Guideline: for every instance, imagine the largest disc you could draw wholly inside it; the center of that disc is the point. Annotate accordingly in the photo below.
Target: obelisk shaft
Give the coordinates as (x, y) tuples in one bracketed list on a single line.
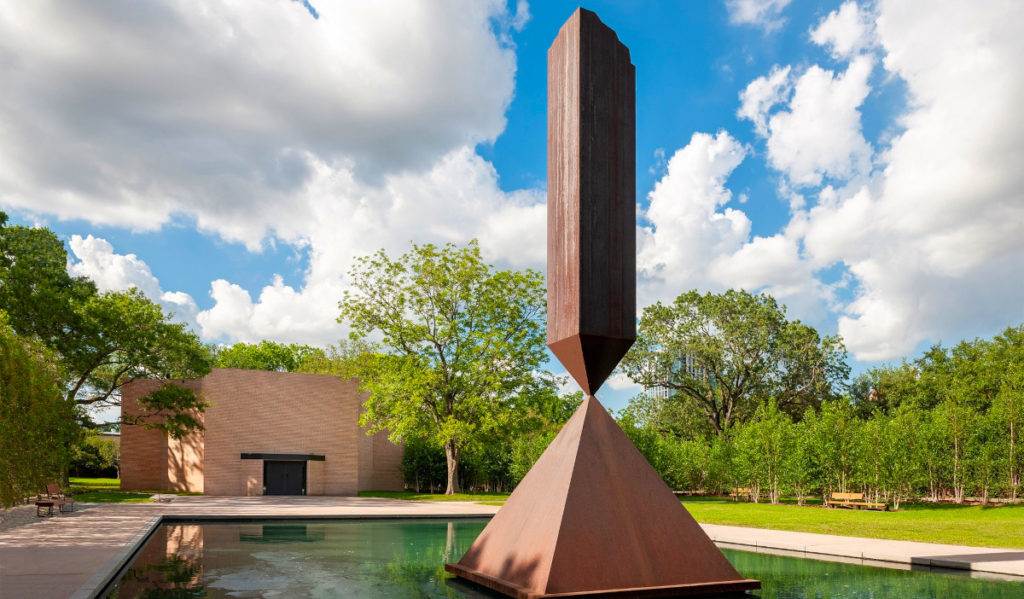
[(591, 199)]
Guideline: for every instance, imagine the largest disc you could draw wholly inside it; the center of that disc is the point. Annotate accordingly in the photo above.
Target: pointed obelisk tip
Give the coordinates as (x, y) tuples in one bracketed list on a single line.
[(590, 359)]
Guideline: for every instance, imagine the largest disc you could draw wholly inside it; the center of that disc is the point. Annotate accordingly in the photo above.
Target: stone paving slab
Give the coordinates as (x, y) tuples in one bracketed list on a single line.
[(72, 555), (960, 557)]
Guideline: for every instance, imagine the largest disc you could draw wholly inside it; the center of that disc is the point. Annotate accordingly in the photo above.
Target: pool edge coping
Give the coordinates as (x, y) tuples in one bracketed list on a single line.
[(102, 578), (938, 563)]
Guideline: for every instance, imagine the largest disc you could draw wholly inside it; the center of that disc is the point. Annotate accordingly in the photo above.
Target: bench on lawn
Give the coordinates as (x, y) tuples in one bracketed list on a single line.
[(740, 492), (54, 497), (854, 501)]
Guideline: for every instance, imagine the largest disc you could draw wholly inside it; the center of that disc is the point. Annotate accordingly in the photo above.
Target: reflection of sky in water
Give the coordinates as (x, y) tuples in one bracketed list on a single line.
[(398, 559)]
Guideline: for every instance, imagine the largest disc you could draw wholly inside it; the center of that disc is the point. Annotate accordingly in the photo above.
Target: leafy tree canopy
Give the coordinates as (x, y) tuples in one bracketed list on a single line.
[(36, 290), (462, 343), (348, 359), (99, 340), (975, 371), (727, 352), (266, 355)]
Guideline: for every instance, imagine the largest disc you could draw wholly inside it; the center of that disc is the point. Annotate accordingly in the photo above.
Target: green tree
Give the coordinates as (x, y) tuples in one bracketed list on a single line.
[(983, 461), (869, 465), (346, 359), (834, 433), (801, 464), (124, 336), (764, 443), (546, 416), (955, 422), (266, 355), (95, 455), (885, 388), (462, 340), (36, 291), (1008, 406), (100, 340), (899, 450), (727, 352), (37, 423)]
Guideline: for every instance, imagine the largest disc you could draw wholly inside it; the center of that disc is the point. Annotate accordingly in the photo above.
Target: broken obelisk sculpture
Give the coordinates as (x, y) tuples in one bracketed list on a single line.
[(592, 518)]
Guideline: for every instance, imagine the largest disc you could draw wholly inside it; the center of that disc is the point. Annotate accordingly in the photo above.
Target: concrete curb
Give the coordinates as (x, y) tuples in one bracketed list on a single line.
[(1005, 563)]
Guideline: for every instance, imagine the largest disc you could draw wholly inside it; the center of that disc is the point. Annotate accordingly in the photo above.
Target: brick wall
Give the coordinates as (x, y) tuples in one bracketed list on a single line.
[(149, 460), (254, 411), (387, 464), (144, 452)]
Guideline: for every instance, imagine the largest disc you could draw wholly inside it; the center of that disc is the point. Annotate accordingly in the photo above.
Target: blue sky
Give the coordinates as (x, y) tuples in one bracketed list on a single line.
[(860, 161)]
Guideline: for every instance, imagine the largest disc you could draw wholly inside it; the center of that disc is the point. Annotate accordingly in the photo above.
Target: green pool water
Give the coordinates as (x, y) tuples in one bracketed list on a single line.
[(403, 559)]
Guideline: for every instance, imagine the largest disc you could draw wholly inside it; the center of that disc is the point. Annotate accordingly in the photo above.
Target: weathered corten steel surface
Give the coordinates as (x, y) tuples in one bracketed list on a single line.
[(593, 518), (591, 199)]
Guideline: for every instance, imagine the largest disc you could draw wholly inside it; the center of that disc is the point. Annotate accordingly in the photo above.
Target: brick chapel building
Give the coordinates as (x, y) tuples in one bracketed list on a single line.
[(265, 433)]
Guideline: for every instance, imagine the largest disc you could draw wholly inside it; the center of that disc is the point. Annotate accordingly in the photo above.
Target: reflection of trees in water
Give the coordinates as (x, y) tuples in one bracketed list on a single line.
[(418, 570), (174, 577), (784, 577), (417, 579)]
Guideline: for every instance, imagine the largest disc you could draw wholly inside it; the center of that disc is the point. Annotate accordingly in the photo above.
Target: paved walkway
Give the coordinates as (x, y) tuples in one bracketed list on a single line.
[(69, 555)]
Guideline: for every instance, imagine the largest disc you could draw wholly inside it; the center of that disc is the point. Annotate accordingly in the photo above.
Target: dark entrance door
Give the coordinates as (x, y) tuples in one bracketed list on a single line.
[(284, 478)]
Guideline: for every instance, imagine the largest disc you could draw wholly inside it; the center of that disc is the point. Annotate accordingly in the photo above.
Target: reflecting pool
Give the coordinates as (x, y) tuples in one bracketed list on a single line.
[(402, 559)]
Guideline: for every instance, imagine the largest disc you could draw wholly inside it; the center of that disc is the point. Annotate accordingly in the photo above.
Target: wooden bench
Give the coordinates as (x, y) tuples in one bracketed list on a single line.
[(696, 493), (42, 505), (740, 492), (55, 497), (853, 501)]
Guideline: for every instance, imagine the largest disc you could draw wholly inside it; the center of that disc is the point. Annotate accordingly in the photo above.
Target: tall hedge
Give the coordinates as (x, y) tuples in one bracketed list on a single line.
[(37, 424)]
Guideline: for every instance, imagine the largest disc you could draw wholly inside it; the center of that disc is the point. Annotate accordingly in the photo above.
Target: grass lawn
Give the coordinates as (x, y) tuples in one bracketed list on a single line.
[(1001, 526), (108, 490), (487, 498), (979, 526)]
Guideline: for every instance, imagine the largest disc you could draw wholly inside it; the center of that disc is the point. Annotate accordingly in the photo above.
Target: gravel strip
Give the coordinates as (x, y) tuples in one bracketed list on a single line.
[(22, 515)]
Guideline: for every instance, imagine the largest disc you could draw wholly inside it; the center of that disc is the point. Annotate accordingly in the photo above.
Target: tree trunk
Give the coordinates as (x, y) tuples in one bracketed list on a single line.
[(451, 454), (1014, 477), (449, 541)]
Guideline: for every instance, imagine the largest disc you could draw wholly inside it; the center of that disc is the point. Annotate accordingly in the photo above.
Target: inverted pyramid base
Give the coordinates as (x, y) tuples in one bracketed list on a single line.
[(681, 590), (593, 519)]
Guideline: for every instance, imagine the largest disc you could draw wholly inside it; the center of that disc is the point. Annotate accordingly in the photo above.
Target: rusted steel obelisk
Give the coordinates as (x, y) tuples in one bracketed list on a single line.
[(592, 518)]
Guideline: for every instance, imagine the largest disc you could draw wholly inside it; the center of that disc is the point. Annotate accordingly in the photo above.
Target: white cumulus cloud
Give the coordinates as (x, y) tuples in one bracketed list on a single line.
[(936, 239), (766, 14), (128, 114), (761, 95), (689, 220), (456, 200), (95, 258), (846, 31), (820, 134)]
